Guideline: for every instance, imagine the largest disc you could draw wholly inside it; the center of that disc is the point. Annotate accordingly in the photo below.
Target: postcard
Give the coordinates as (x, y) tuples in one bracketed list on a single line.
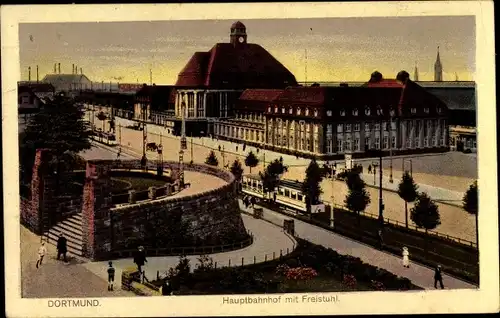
[(249, 159)]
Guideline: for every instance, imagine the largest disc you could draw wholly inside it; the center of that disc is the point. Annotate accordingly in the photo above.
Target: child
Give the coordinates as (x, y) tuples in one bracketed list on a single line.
[(111, 276), (41, 253)]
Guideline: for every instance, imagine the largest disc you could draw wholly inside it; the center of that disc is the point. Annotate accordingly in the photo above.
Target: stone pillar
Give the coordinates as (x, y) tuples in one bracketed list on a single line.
[(96, 226), (152, 193)]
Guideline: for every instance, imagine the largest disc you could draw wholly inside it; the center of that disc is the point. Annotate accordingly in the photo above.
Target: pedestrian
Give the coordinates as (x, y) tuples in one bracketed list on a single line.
[(166, 288), (140, 258), (406, 257), (244, 147), (62, 247), (370, 169), (253, 201), (438, 277), (41, 253), (236, 148), (219, 147), (118, 153), (380, 239), (257, 150), (111, 276)]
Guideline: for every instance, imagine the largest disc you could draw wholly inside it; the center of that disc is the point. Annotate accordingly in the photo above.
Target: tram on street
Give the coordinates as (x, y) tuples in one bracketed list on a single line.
[(288, 194)]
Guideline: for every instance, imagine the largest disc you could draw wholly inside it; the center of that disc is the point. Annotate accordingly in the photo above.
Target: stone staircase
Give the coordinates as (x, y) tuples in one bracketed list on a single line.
[(72, 230)]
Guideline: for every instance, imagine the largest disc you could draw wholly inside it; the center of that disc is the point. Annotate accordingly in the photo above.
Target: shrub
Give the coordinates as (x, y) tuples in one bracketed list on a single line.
[(205, 264), (301, 273), (377, 285), (349, 281)]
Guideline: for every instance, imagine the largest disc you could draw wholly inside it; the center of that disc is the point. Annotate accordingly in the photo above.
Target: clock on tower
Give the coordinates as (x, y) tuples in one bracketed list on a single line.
[(238, 34)]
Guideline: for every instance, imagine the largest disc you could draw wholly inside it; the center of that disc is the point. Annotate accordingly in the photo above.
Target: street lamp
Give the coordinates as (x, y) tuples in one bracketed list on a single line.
[(403, 160), (144, 135), (332, 175), (183, 142), (390, 145), (159, 169), (375, 165)]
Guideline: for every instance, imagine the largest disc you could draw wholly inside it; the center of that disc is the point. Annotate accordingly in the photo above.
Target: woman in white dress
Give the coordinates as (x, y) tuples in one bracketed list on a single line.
[(406, 257)]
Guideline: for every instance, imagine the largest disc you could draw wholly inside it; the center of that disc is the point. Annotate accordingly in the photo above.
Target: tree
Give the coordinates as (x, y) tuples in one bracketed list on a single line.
[(311, 185), (60, 127), (251, 161), (358, 198), (425, 213), (271, 176), (407, 190), (237, 170), (212, 159), (102, 117), (470, 204)]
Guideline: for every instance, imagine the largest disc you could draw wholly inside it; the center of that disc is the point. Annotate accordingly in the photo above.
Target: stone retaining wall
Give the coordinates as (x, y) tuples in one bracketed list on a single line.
[(207, 218)]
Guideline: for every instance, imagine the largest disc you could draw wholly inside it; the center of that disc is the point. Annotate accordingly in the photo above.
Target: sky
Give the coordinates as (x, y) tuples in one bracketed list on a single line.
[(338, 49)]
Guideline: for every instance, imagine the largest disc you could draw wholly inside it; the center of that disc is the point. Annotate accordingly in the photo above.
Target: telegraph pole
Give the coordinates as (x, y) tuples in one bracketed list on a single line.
[(390, 150), (380, 199), (192, 160), (333, 199)]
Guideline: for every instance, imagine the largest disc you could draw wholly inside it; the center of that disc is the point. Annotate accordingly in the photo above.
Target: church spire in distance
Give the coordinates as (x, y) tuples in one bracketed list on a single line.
[(438, 68), (415, 75)]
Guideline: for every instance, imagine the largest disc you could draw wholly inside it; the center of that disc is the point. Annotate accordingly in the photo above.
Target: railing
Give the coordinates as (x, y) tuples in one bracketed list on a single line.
[(189, 250)]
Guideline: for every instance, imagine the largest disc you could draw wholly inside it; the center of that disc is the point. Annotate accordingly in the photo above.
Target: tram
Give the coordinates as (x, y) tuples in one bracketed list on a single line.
[(288, 194)]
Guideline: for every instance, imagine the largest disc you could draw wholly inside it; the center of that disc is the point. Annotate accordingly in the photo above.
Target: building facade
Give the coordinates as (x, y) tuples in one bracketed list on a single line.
[(209, 86), (32, 97), (395, 116)]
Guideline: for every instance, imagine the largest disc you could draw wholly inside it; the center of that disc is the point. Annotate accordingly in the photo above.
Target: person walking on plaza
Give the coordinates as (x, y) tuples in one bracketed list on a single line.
[(253, 201), (166, 288), (140, 258), (62, 247), (41, 253), (370, 169), (219, 148), (236, 148), (111, 276), (406, 257), (438, 277), (380, 240)]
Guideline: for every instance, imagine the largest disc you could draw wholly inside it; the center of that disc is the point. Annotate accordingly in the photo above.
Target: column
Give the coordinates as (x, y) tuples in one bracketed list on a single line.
[(195, 104)]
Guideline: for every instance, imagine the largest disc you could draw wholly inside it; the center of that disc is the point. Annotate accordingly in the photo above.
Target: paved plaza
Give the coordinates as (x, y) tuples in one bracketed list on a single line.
[(419, 274), (449, 190)]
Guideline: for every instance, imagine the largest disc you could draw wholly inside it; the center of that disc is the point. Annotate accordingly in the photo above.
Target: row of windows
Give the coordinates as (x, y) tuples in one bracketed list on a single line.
[(342, 112), (250, 116), (238, 132)]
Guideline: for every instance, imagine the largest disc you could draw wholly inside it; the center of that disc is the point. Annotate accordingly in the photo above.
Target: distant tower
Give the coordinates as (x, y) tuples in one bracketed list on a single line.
[(438, 69), (238, 34), (415, 76)]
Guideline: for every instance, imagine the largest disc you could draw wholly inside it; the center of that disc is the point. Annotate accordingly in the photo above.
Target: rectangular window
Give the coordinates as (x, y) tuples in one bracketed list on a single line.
[(356, 127), (377, 127), (347, 146), (328, 145), (356, 144), (393, 142), (386, 142), (299, 197), (329, 129), (367, 142), (348, 127), (287, 193), (340, 128), (339, 146), (367, 127), (417, 142), (377, 142)]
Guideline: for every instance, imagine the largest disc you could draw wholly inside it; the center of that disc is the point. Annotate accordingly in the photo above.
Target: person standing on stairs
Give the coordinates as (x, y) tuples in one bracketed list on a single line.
[(41, 253), (62, 247)]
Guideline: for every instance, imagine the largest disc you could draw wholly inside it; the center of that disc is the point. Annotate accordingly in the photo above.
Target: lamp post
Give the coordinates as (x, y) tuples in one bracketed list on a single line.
[(390, 147), (159, 168), (403, 160), (144, 135), (375, 165), (380, 199), (183, 141), (332, 171)]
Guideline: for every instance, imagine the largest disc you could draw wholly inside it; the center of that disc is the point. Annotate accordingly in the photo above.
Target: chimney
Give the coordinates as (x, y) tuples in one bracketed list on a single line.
[(73, 68), (55, 68), (59, 67), (29, 73), (37, 73)]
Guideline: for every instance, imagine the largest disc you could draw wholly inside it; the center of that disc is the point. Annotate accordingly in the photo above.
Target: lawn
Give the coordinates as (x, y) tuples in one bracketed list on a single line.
[(121, 184)]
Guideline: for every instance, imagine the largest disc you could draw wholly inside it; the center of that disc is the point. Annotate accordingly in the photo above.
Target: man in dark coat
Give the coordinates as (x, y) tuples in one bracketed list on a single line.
[(166, 288), (140, 258), (438, 277), (62, 248)]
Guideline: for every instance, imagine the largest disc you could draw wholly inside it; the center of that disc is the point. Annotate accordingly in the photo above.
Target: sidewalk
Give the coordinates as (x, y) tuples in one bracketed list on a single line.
[(55, 279), (436, 193), (420, 275), (269, 241)]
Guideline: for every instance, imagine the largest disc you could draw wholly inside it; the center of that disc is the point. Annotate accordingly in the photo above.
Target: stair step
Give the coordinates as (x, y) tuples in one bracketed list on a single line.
[(77, 217), (73, 224), (67, 230)]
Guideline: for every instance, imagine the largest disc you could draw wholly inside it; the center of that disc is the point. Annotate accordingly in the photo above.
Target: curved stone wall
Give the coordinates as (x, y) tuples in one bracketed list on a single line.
[(208, 218)]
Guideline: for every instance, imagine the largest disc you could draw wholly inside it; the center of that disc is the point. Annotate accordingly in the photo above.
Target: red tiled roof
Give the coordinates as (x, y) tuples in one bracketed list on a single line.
[(235, 66), (308, 95), (264, 95)]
